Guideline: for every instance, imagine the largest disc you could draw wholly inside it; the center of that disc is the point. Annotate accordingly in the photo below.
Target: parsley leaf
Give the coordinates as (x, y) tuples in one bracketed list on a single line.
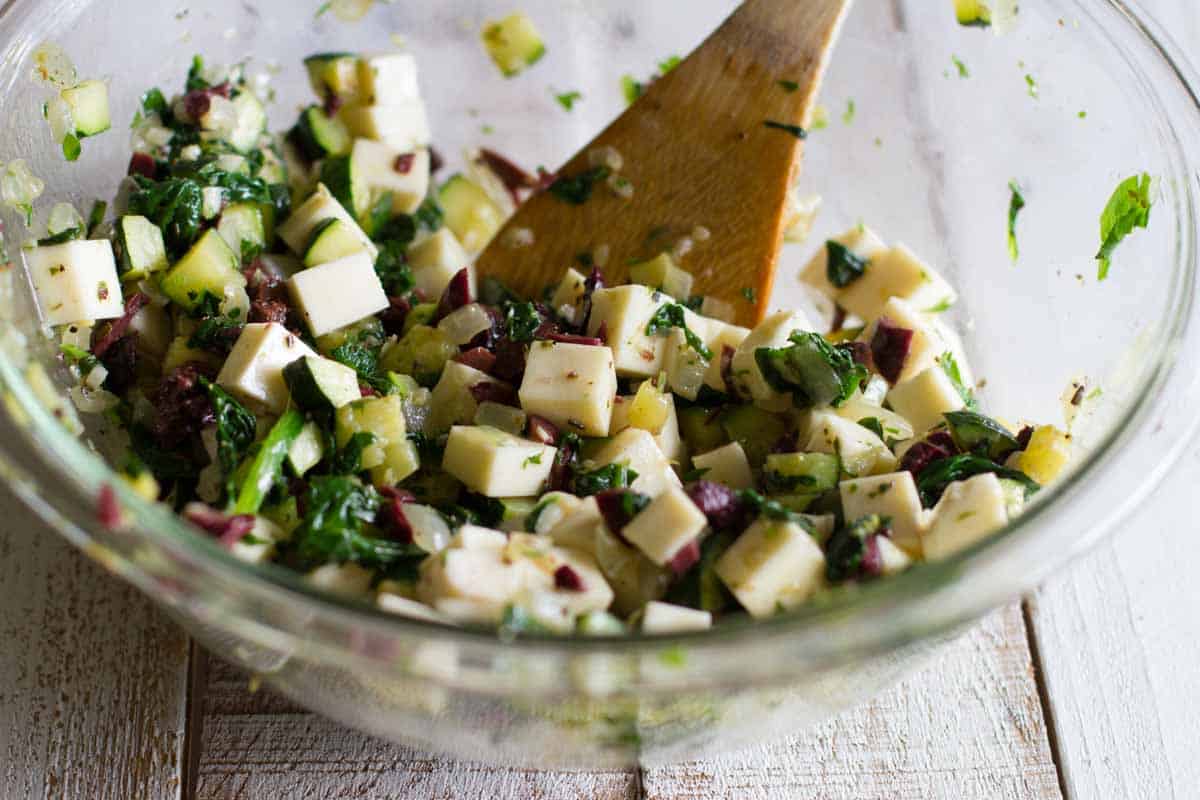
[(577, 189), (843, 267), (1015, 204), (568, 99), (79, 357), (348, 460), (794, 130), (950, 366), (815, 372), (392, 268), (671, 316), (521, 321), (1128, 208), (610, 476)]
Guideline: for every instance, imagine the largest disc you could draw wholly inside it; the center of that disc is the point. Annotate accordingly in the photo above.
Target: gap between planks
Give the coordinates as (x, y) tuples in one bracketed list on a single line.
[(969, 726)]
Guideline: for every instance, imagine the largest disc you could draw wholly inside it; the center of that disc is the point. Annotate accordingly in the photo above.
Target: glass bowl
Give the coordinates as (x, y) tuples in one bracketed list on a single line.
[(925, 157)]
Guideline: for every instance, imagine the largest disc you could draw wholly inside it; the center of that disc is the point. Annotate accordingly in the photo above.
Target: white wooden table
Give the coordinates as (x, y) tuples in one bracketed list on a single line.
[(1090, 688)]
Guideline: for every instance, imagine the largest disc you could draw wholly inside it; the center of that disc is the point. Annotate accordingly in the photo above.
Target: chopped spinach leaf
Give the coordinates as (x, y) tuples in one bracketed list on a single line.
[(71, 147), (1128, 208), (963, 72), (950, 366), (980, 435), (392, 268), (338, 511), (772, 509), (934, 479), (843, 266), (671, 316), (236, 427), (521, 321), (348, 460), (174, 205), (610, 476), (794, 130), (69, 235), (577, 189), (844, 552), (815, 372)]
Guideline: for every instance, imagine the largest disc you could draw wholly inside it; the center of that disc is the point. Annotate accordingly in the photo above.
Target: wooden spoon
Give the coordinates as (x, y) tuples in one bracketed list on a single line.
[(706, 150)]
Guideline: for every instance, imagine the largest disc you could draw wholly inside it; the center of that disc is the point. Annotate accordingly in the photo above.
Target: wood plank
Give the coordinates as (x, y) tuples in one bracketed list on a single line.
[(969, 726), (258, 745), (1119, 639), (92, 677)]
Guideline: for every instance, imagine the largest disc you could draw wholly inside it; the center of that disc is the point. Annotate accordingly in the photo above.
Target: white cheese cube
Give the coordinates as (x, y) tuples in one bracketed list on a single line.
[(624, 312), (404, 607), (497, 464), (859, 240), (297, 229), (668, 438), (660, 617), (568, 297), (664, 527), (892, 558), (75, 281), (861, 451), (435, 261), (772, 565), (476, 537), (967, 513), (895, 273), (265, 536), (727, 465), (577, 530), (721, 335), (337, 294), (254, 370), (469, 585), (452, 402), (572, 385), (388, 79), (924, 400), (377, 165), (636, 449), (347, 579), (772, 332), (859, 407), (893, 495), (403, 125), (927, 344)]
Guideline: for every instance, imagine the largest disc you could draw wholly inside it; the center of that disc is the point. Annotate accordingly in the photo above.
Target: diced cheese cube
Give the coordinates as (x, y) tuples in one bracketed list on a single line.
[(893, 495), (403, 125), (668, 438), (664, 527), (859, 240), (388, 79), (75, 281), (925, 399), (660, 617), (577, 530), (404, 607), (772, 565), (636, 449), (624, 312), (452, 402), (858, 407), (475, 537), (497, 464), (568, 297), (378, 166), (926, 345), (727, 465), (298, 228), (435, 261), (967, 513), (346, 579), (572, 385), (861, 451), (337, 294), (720, 336), (253, 372), (895, 273), (470, 585), (772, 332), (893, 560)]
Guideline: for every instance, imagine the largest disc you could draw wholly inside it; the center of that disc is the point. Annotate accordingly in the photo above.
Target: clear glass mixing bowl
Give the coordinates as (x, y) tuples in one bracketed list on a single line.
[(926, 159)]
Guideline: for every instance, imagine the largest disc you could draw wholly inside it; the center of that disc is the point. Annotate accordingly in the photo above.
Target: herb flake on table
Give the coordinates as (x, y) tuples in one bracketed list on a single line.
[(568, 99), (1016, 202), (1127, 209), (960, 65)]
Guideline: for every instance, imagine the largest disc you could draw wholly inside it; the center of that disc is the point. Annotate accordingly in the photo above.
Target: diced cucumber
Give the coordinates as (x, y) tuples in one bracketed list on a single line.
[(267, 463), (802, 473), (140, 248), (757, 431), (273, 169), (369, 328), (701, 587), (319, 135), (241, 226), (421, 314), (178, 353), (347, 185), (469, 213), (333, 73), (422, 353), (701, 429), (251, 122), (661, 273), (89, 107), (307, 450), (391, 457), (975, 433), (973, 12), (208, 268), (332, 240), (795, 502), (513, 43), (319, 384)]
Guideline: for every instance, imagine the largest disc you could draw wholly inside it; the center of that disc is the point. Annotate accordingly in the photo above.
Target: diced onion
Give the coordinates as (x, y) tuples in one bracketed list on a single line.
[(800, 215), (687, 368), (416, 410), (607, 156), (19, 187), (213, 201), (96, 377), (464, 324), (221, 117), (350, 10), (63, 217), (58, 115), (875, 391), (430, 531), (53, 67)]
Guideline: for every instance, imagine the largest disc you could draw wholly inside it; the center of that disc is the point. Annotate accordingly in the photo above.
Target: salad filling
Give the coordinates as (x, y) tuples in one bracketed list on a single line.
[(289, 331)]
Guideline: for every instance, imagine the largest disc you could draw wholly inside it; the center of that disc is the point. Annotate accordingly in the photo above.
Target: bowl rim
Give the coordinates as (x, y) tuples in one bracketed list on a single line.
[(56, 453)]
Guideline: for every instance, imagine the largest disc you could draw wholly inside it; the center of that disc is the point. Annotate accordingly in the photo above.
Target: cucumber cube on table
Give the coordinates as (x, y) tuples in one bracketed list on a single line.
[(497, 464), (254, 370), (338, 293), (572, 385), (772, 565), (894, 496), (75, 281), (513, 43), (437, 259)]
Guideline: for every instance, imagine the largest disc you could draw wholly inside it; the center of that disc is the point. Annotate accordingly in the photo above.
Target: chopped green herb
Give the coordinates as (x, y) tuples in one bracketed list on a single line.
[(71, 147), (568, 99), (532, 460), (794, 130), (1128, 208), (934, 479), (235, 427), (846, 547), (521, 321), (820, 118), (963, 72), (338, 511), (671, 316), (789, 86), (79, 357), (1016, 202), (815, 372), (695, 474), (945, 304), (1031, 85), (669, 63), (348, 460), (749, 294), (610, 476), (974, 433), (773, 509), (950, 366), (848, 114), (631, 89), (873, 425), (843, 266), (577, 189)]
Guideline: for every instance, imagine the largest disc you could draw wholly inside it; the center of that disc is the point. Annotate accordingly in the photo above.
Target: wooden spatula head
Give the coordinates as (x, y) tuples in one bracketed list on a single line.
[(712, 148)]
